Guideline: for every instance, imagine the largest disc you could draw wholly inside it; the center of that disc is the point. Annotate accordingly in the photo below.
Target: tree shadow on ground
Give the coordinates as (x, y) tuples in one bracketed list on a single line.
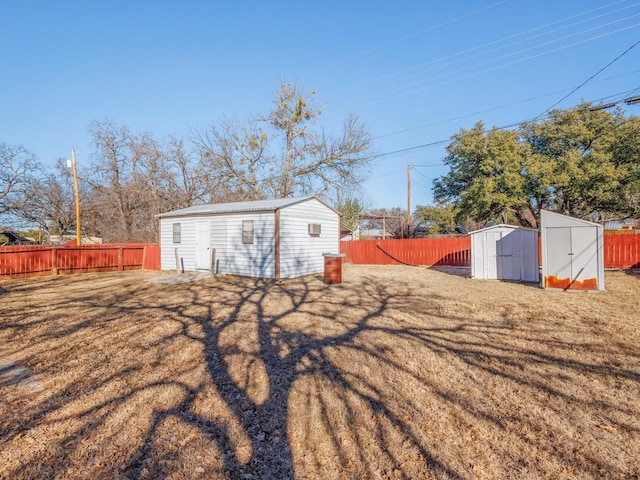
[(245, 378)]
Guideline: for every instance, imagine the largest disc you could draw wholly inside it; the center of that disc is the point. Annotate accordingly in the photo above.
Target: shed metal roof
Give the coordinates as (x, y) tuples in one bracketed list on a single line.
[(503, 225), (238, 207), (551, 219)]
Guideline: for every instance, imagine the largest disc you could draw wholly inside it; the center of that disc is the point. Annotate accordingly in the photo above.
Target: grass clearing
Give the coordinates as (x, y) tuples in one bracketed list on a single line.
[(399, 372)]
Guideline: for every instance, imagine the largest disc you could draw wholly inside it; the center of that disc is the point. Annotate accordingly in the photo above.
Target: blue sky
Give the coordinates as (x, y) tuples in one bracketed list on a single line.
[(414, 71)]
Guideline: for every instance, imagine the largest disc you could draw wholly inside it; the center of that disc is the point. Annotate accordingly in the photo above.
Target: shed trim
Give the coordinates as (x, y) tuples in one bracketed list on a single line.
[(257, 206), (503, 225)]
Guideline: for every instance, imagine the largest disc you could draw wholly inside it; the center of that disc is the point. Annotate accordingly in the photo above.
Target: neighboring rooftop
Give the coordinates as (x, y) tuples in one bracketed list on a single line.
[(14, 238)]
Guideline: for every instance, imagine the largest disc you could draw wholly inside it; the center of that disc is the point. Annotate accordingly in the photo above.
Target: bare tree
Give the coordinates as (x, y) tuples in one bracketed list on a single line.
[(120, 184), (49, 202), (18, 168), (134, 177), (236, 155), (191, 179), (283, 154)]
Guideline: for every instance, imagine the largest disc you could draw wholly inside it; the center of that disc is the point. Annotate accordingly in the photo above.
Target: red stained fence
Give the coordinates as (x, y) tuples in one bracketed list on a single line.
[(418, 251), (53, 260), (620, 251)]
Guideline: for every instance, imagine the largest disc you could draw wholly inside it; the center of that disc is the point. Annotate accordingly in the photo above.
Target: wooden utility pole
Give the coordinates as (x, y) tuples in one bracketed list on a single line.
[(75, 187), (408, 200)]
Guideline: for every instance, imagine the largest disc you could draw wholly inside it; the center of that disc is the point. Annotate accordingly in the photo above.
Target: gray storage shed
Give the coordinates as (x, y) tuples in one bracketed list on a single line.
[(572, 252), (281, 238), (505, 252)]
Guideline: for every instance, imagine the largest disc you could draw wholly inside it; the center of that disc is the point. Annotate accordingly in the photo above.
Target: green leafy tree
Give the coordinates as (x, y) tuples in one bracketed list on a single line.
[(485, 178), (576, 161), (571, 166), (436, 218), (625, 150), (351, 209)]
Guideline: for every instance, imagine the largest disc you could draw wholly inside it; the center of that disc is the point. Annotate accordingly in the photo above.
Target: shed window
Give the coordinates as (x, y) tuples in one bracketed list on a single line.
[(177, 235), (247, 231), (315, 229)]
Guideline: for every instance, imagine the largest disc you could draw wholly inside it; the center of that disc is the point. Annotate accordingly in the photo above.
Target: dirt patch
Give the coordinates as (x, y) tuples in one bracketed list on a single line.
[(399, 372)]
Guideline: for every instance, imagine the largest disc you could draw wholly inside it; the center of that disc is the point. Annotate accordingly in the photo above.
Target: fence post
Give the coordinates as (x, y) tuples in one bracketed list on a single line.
[(213, 262), (120, 259), (54, 261)]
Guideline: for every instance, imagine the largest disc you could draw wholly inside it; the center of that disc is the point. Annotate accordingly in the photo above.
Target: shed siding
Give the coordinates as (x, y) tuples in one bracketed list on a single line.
[(301, 253), (530, 261), (505, 252), (186, 247), (251, 260), (219, 243)]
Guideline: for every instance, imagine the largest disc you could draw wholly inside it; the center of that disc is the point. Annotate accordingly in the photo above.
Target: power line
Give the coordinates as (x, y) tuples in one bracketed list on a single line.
[(474, 74), (429, 29), (590, 78), (501, 47), (425, 165), (523, 50), (438, 142), (479, 47), (461, 117), (422, 174), (376, 157)]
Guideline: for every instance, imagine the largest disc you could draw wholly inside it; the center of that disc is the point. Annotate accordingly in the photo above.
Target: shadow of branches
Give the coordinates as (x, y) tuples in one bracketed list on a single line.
[(396, 373)]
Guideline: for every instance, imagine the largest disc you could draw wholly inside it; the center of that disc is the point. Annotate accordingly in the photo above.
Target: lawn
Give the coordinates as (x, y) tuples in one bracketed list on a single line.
[(399, 372)]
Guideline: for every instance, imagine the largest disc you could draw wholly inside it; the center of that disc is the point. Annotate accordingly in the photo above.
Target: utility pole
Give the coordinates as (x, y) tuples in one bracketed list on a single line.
[(75, 187), (408, 200)]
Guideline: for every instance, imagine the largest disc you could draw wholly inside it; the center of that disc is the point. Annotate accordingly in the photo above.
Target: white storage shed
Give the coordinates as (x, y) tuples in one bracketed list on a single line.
[(572, 252), (505, 252), (282, 238)]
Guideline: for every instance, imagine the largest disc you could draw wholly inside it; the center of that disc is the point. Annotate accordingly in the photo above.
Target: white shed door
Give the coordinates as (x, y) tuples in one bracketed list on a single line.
[(203, 245), (558, 257), (491, 270), (572, 258), (584, 260), (502, 250), (508, 252)]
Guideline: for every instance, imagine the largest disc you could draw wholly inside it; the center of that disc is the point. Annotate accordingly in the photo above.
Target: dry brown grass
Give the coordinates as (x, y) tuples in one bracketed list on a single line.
[(399, 372)]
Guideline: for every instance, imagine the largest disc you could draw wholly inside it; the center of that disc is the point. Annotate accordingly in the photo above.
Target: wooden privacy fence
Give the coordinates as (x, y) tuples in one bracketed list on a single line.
[(620, 251), (53, 260), (418, 251)]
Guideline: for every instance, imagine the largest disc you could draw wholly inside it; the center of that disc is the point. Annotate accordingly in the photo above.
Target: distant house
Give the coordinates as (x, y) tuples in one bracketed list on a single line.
[(622, 226), (348, 234), (71, 239), (13, 238), (277, 239), (376, 234)]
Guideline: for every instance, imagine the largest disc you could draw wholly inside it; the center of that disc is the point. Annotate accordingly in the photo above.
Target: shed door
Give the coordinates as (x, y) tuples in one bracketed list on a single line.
[(572, 261), (491, 240), (584, 260), (508, 253), (203, 245)]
